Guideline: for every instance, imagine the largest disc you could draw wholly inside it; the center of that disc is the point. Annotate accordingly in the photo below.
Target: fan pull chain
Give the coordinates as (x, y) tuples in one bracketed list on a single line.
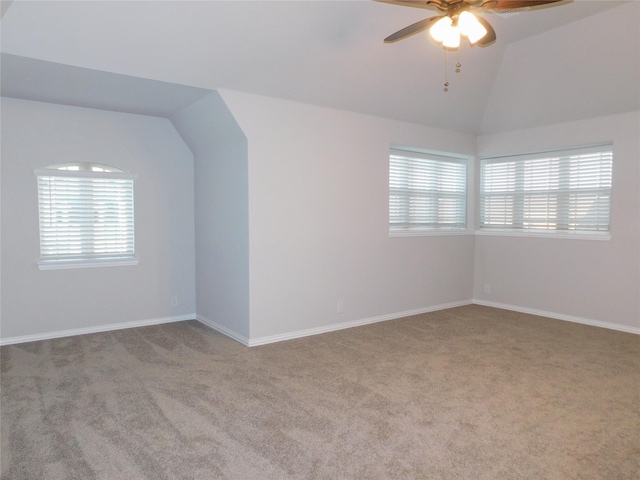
[(446, 70), (446, 67)]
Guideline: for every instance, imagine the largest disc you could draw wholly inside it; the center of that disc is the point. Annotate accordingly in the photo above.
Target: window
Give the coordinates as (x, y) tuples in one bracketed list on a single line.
[(86, 215), (566, 191), (427, 192)]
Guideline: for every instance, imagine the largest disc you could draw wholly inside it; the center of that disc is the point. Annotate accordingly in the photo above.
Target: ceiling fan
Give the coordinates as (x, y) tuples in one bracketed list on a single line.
[(458, 19)]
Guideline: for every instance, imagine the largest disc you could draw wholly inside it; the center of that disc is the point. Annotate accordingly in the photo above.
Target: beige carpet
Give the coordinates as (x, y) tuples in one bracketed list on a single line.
[(467, 393)]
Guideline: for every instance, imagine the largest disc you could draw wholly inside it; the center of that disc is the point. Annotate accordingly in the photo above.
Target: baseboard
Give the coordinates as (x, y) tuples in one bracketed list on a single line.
[(224, 330), (560, 316), (355, 323), (311, 331), (101, 328)]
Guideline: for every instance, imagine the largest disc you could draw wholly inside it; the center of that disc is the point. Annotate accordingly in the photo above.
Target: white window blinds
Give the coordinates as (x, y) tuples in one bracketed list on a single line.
[(85, 215), (426, 192), (567, 190)]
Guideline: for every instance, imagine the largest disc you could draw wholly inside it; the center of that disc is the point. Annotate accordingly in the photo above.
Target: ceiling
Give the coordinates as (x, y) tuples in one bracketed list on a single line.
[(155, 57), (51, 82)]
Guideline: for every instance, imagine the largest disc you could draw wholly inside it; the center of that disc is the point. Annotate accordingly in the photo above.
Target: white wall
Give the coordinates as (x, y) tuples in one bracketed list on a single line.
[(290, 210), (221, 214), (34, 302), (586, 280), (318, 220)]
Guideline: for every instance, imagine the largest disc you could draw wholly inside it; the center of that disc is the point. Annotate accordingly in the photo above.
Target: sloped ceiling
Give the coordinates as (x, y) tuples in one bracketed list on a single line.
[(589, 68), (51, 82), (327, 53)]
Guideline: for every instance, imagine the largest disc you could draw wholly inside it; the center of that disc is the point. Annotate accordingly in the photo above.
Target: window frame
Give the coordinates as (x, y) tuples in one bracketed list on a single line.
[(96, 174), (560, 194), (442, 229)]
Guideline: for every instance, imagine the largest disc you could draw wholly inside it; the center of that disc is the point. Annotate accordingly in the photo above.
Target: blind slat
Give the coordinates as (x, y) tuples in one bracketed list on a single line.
[(85, 216), (564, 190), (426, 192)]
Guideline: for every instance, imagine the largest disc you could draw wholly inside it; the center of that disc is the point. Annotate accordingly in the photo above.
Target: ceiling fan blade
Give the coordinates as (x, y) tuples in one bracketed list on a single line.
[(515, 4), (490, 37), (411, 29), (431, 4)]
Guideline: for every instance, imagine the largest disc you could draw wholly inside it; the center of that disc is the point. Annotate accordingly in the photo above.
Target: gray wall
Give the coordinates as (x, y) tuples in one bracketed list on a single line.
[(585, 280), (289, 218), (318, 218), (221, 214), (35, 302)]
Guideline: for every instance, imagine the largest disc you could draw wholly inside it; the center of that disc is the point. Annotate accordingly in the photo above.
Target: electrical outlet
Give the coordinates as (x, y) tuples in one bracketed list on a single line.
[(340, 307), (487, 288), (174, 301)]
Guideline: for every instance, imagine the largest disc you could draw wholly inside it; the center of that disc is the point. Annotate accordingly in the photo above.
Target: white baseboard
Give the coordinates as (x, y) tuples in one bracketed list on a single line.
[(560, 316), (354, 323), (311, 331), (253, 342), (224, 330), (101, 328)]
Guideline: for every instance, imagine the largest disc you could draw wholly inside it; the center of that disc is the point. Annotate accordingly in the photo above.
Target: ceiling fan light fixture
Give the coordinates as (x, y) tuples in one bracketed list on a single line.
[(470, 27), (446, 32), (455, 20), (439, 29), (451, 38)]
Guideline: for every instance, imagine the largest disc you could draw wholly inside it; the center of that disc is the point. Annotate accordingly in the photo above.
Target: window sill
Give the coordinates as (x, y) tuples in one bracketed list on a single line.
[(430, 233), (67, 264), (544, 234)]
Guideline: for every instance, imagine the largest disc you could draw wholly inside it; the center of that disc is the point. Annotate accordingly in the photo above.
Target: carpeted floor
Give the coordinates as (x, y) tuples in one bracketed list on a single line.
[(467, 393)]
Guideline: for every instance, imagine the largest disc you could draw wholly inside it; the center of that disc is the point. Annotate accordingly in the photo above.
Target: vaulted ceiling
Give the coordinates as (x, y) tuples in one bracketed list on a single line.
[(577, 59)]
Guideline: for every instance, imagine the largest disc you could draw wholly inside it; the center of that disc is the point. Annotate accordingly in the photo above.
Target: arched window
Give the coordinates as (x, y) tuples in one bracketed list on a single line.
[(86, 215), (85, 167)]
